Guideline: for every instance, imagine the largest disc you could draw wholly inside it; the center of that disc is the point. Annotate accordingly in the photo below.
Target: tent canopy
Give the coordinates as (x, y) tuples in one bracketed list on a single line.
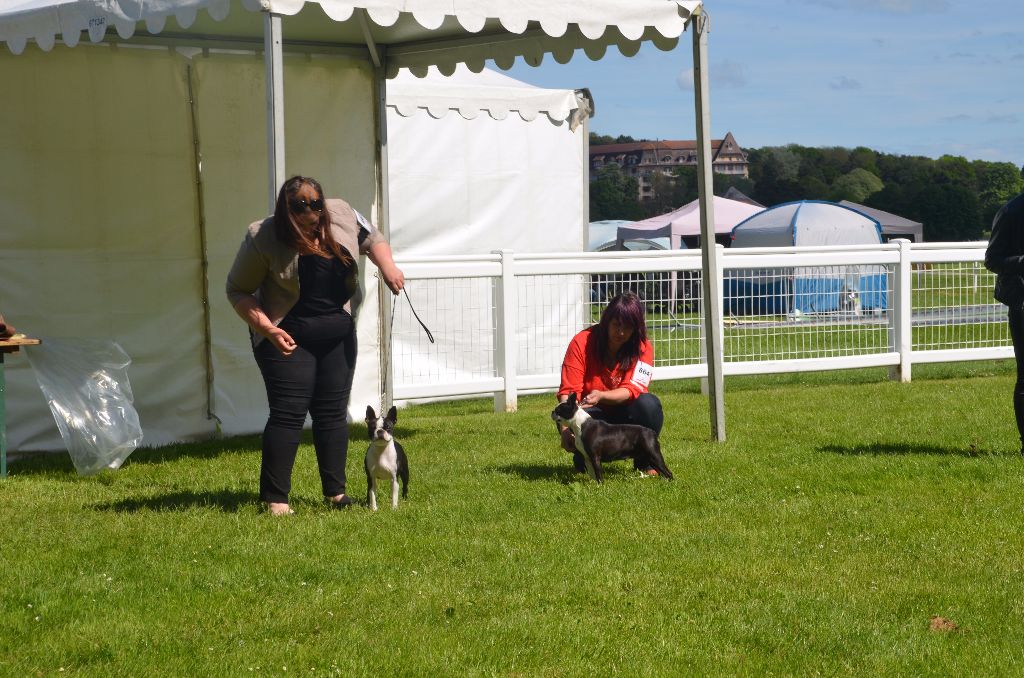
[(806, 222), (893, 225), (685, 221), (411, 35)]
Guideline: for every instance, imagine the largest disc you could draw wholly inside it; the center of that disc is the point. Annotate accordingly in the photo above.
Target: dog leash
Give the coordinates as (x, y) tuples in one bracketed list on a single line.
[(416, 315)]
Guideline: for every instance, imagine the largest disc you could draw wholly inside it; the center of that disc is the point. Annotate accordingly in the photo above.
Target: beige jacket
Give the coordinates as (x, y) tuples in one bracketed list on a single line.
[(267, 269)]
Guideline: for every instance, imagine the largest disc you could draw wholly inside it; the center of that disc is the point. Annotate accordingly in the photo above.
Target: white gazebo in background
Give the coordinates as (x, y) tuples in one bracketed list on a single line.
[(135, 165)]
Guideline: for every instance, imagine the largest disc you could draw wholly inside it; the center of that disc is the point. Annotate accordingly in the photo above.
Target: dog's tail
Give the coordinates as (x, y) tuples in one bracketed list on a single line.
[(658, 461)]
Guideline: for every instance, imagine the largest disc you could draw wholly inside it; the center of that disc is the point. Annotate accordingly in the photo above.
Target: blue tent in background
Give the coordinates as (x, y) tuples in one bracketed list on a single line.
[(809, 289)]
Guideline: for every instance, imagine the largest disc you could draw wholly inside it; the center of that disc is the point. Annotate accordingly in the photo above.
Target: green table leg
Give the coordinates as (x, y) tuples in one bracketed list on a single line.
[(3, 420)]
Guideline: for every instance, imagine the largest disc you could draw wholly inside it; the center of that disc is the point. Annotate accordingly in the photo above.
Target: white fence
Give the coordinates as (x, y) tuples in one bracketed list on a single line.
[(502, 321)]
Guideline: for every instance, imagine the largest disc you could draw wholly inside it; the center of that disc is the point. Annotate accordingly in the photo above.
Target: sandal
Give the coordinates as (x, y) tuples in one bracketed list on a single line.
[(343, 503)]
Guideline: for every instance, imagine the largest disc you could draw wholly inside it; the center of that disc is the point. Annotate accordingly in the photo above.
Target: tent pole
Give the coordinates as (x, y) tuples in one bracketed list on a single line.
[(274, 72), (386, 375), (712, 305), (204, 249)]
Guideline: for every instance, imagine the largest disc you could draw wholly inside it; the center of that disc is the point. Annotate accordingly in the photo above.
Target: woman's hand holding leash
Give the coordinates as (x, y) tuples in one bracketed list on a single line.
[(592, 399), (393, 278)]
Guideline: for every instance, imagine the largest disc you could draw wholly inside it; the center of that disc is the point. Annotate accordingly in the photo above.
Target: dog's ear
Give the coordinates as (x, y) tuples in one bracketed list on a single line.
[(572, 398), (370, 414), (393, 414)]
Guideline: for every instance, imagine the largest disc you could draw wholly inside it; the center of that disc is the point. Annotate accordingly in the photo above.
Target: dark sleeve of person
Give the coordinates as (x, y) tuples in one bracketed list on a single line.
[(1004, 253), (363, 235)]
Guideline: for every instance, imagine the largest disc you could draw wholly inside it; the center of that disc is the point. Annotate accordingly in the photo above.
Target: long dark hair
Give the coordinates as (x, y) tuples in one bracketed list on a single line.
[(629, 310), (291, 233)]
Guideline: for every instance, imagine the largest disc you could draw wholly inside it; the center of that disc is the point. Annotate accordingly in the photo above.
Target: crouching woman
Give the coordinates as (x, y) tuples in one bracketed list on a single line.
[(610, 365)]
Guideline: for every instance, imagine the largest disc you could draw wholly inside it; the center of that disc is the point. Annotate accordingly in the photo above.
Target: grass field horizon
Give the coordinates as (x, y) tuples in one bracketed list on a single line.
[(842, 514)]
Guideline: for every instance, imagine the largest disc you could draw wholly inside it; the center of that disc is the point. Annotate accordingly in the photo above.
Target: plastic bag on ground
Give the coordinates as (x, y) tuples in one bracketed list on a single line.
[(85, 382)]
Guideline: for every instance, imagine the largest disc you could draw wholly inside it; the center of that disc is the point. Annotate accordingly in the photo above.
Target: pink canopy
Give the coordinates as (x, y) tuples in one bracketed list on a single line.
[(685, 221)]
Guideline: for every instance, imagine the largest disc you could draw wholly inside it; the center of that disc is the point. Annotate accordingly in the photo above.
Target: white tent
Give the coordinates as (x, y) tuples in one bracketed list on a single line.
[(479, 162), (132, 166)]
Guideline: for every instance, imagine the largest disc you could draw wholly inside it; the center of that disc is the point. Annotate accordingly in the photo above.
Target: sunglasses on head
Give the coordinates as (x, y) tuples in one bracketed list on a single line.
[(300, 206)]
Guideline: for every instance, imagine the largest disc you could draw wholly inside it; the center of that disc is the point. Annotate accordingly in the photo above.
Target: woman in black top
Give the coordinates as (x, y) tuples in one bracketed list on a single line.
[(1005, 258), (291, 282)]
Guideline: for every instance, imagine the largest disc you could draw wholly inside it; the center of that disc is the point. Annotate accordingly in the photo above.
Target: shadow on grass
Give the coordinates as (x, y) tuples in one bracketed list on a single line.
[(562, 473), (882, 449), (228, 501), (57, 463)]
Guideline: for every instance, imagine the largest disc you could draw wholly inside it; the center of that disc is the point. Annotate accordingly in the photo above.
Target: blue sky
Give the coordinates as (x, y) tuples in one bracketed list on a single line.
[(916, 77)]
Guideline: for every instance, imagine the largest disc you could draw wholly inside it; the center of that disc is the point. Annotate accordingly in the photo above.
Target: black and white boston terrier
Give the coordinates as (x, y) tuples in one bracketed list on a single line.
[(599, 441), (385, 458)]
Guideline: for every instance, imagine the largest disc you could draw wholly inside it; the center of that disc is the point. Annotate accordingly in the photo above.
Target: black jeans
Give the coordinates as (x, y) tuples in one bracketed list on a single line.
[(1017, 334), (645, 410), (316, 378)]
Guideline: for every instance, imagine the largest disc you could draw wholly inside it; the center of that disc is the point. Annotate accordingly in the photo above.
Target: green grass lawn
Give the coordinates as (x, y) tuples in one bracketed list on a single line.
[(843, 513)]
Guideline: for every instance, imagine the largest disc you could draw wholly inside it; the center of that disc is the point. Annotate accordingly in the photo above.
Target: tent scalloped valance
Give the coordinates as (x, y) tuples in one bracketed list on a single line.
[(489, 92), (660, 21)]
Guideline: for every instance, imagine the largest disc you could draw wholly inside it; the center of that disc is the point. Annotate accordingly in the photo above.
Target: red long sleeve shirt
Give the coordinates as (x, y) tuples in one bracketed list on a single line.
[(583, 371)]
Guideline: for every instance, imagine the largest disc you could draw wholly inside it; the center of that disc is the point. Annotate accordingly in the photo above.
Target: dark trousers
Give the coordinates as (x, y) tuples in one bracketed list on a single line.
[(1017, 334), (645, 410), (316, 378)]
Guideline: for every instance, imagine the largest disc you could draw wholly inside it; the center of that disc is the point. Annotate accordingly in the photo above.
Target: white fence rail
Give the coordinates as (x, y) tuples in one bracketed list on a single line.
[(502, 321)]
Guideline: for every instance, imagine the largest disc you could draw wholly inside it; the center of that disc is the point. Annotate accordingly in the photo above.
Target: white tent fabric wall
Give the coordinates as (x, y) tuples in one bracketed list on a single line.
[(477, 163), (101, 235)]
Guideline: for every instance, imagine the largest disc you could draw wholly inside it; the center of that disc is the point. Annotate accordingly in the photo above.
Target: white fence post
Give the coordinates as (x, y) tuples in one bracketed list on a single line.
[(506, 349), (903, 310)]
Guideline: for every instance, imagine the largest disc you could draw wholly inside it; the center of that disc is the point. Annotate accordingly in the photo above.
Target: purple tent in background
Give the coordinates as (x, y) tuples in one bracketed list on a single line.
[(683, 224)]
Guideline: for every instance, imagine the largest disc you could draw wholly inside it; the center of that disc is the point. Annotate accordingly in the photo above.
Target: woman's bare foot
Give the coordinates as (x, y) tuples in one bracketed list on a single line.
[(279, 509)]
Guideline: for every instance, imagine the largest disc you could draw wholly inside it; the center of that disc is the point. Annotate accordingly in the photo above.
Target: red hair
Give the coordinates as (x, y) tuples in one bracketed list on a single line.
[(628, 310)]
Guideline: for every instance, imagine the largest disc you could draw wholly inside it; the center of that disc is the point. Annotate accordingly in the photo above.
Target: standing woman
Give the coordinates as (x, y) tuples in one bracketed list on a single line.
[(609, 366), (1005, 258), (292, 282)]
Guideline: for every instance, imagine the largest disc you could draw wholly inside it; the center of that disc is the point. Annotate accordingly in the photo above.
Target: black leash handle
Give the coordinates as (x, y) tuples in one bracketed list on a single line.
[(416, 315)]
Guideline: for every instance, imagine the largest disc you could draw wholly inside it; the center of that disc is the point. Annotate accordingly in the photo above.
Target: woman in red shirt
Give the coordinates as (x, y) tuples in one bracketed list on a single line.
[(609, 366)]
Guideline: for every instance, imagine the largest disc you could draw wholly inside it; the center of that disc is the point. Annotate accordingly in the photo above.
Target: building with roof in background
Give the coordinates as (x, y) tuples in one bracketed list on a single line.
[(643, 159)]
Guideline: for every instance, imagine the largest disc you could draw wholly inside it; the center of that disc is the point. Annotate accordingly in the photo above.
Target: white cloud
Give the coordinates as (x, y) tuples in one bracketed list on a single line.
[(892, 6), (1006, 119), (844, 83), (729, 74)]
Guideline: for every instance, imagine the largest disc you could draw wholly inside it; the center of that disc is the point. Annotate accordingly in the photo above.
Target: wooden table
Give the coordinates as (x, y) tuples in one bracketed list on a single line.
[(11, 345)]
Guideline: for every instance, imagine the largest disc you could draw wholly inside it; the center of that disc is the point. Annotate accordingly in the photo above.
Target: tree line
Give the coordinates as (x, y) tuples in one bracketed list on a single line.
[(953, 197)]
